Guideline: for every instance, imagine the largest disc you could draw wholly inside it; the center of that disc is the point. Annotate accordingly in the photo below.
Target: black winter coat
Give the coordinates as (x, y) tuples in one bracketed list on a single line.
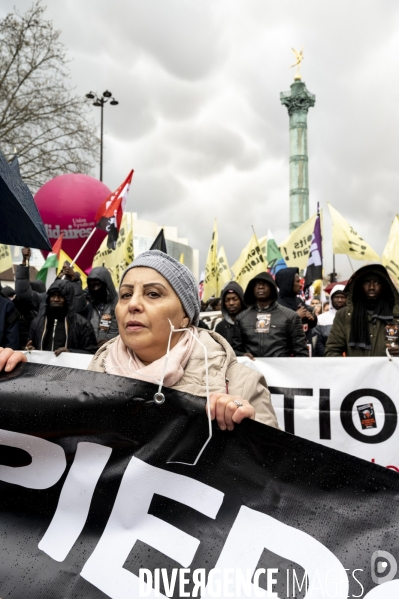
[(102, 316), (226, 326), (285, 337), (286, 297), (79, 335)]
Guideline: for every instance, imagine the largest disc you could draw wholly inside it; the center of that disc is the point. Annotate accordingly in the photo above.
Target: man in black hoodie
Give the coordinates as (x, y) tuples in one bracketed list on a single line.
[(57, 327), (101, 301), (232, 304), (267, 329), (289, 285)]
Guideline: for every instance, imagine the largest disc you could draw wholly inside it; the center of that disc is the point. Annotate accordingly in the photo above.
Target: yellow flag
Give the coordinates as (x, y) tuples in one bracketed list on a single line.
[(263, 247), (250, 263), (62, 257), (181, 259), (5, 257), (347, 241), (390, 255), (210, 280), (118, 259), (295, 249), (223, 271)]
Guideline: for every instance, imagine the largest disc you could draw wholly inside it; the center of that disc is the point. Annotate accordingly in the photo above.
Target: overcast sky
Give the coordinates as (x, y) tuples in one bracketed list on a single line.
[(200, 119)]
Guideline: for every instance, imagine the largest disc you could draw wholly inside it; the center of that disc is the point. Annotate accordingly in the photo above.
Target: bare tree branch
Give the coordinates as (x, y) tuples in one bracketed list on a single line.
[(39, 113)]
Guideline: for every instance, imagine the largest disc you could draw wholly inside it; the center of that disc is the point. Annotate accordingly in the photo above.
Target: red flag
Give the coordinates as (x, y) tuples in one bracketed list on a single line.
[(57, 245), (110, 213)]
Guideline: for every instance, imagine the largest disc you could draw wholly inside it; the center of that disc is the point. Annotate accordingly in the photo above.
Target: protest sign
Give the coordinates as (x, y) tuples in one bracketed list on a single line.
[(98, 498)]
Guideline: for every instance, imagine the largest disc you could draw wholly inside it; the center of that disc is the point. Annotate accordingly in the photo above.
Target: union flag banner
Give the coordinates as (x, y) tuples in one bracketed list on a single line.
[(110, 213)]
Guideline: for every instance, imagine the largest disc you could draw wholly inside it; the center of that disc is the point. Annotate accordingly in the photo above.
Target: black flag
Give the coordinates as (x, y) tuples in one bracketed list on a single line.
[(159, 242)]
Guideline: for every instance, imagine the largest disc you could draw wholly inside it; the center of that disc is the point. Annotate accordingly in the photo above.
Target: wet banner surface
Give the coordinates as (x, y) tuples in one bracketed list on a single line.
[(97, 500)]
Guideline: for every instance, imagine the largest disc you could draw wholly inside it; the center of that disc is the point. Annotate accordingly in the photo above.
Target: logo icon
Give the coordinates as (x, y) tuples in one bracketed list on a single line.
[(383, 567)]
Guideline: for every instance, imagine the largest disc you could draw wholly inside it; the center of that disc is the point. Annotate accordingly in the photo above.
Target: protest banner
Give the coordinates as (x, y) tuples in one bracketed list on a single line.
[(318, 398), (390, 255), (295, 249), (5, 257), (211, 267), (223, 273), (98, 498), (348, 241), (250, 263)]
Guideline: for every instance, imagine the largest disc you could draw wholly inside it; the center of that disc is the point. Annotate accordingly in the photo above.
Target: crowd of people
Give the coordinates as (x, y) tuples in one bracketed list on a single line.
[(269, 318), (65, 318)]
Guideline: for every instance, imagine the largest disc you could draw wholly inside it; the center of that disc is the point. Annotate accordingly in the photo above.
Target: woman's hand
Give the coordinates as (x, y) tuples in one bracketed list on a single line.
[(227, 410), (9, 358)]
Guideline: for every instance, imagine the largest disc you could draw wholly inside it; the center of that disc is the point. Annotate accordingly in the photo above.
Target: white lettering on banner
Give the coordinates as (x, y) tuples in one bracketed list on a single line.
[(74, 503), (253, 531), (130, 522), (47, 466), (318, 399)]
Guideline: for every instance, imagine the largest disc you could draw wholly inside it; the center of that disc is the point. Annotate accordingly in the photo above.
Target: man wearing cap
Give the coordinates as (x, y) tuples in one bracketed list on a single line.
[(267, 329), (369, 324), (325, 320), (232, 304)]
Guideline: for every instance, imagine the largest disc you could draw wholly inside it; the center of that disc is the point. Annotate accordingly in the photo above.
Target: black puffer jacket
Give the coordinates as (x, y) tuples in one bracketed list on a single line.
[(225, 327), (286, 297), (73, 332), (102, 315), (283, 334)]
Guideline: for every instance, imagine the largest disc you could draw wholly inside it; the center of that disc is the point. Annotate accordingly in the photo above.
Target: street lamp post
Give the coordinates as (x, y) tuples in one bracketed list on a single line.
[(101, 101)]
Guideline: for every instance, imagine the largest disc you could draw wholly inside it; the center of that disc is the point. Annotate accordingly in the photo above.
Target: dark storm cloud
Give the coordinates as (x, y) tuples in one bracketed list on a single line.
[(200, 118)]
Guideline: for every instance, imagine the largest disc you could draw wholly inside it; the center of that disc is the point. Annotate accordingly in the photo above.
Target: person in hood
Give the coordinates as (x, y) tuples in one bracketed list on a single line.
[(29, 291), (325, 320), (267, 329), (101, 301), (232, 304), (369, 324), (57, 327), (289, 285)]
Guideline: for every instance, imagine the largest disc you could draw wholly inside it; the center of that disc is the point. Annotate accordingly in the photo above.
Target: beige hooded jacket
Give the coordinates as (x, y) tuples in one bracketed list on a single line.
[(223, 368)]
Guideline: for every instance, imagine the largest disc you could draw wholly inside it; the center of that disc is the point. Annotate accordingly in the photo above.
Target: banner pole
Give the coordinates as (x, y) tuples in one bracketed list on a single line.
[(83, 246), (350, 262), (334, 275)]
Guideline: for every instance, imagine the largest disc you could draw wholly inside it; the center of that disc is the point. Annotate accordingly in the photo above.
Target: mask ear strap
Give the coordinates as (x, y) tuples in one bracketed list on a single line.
[(208, 407)]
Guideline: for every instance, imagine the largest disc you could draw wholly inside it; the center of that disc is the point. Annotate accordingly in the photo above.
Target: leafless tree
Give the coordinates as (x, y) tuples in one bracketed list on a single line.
[(40, 114)]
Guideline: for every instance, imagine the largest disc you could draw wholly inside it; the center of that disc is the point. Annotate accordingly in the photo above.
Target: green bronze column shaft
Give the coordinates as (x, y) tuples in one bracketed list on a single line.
[(298, 102)]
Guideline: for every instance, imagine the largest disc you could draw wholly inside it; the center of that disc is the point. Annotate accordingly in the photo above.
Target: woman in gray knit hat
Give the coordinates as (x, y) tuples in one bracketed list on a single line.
[(158, 294)]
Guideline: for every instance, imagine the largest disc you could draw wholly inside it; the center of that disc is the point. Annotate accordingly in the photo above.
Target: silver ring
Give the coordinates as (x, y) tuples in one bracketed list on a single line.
[(237, 402)]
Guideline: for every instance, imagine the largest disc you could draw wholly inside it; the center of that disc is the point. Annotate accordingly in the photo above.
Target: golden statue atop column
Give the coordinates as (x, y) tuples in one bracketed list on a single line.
[(299, 58)]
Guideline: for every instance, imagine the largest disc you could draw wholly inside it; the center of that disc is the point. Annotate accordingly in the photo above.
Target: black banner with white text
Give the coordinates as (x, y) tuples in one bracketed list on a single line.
[(97, 499)]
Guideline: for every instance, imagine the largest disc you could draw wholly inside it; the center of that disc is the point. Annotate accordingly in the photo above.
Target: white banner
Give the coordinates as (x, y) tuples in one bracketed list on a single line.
[(349, 404), (68, 359)]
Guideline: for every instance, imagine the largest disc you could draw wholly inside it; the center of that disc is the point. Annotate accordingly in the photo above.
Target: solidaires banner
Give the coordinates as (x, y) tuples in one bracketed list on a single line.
[(99, 498), (350, 404)]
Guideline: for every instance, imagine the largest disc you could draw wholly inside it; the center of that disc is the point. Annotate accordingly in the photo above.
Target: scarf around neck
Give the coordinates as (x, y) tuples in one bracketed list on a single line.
[(122, 361)]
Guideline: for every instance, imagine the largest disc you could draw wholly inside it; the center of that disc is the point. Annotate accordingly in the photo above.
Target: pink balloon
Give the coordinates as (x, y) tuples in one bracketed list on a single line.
[(68, 204)]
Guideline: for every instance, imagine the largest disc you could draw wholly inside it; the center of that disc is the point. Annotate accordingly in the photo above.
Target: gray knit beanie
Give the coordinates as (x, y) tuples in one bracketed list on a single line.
[(178, 276)]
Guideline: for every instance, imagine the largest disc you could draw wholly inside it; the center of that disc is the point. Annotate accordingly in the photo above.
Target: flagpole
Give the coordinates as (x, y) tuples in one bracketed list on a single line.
[(334, 275), (350, 262), (83, 246)]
